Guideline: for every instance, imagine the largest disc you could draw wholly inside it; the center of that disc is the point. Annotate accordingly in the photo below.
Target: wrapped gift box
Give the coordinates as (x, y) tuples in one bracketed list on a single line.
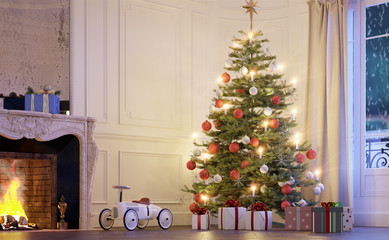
[(42, 103), (347, 219), (298, 218), (258, 220), (13, 103), (327, 219), (231, 218), (200, 222)]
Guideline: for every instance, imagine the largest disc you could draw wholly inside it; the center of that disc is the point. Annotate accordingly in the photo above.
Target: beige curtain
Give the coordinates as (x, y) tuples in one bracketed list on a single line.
[(326, 99)]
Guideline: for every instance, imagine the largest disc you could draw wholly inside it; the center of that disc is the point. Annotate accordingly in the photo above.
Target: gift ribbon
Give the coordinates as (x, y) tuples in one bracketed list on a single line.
[(32, 103), (298, 219), (327, 205), (45, 103), (221, 216), (236, 218), (199, 222)]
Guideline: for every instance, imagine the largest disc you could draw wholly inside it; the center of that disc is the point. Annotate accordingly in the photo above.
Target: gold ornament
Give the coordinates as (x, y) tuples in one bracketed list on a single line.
[(251, 7)]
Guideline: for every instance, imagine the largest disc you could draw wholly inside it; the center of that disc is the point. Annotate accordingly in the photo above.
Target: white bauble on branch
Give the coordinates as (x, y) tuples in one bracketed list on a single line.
[(212, 108), (263, 188), (267, 111), (253, 91), (219, 92), (291, 181), (228, 64), (217, 178), (196, 152), (316, 191), (264, 168), (321, 186), (245, 140), (243, 70), (309, 175), (281, 184)]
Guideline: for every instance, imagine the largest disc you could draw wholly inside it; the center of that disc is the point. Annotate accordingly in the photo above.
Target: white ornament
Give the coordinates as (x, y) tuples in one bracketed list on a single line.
[(196, 152), (301, 203), (281, 184), (264, 49), (291, 181), (272, 67), (309, 175), (228, 63), (267, 111), (212, 108), (316, 191), (264, 168), (253, 91), (217, 178), (219, 92), (263, 188), (243, 70), (321, 186), (245, 140)]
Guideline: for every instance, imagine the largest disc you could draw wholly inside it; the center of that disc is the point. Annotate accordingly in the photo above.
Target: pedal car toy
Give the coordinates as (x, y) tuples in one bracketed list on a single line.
[(135, 213)]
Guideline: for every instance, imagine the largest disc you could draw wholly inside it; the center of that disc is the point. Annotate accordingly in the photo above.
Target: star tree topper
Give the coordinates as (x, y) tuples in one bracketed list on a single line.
[(251, 7)]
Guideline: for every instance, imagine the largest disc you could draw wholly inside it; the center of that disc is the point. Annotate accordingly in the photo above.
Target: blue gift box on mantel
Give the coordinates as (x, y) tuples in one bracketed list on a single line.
[(48, 103)]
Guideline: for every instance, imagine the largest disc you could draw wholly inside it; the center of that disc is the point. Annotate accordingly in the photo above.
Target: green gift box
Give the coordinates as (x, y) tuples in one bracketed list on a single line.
[(327, 219)]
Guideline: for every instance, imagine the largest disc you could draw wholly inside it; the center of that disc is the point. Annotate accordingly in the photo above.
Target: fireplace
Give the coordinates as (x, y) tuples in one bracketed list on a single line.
[(53, 155)]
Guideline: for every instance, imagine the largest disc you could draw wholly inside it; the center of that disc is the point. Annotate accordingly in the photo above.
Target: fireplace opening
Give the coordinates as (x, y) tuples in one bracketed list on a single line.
[(47, 171)]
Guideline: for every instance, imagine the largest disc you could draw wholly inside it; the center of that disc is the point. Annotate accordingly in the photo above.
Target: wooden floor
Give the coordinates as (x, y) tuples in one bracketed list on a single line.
[(185, 232)]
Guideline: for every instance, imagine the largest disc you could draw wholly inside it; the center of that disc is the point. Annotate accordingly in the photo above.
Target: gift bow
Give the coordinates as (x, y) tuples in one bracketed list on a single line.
[(258, 206), (201, 211), (331, 204), (232, 203)]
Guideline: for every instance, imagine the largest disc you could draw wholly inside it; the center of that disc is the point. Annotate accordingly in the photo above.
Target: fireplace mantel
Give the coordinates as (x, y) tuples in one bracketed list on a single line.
[(45, 127)]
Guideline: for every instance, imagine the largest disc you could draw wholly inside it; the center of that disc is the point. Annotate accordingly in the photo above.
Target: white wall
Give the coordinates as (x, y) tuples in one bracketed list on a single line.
[(146, 70)]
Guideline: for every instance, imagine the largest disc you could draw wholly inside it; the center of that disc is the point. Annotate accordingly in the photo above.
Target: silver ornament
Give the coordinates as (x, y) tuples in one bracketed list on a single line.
[(267, 111), (219, 92), (228, 64), (263, 188), (212, 108), (217, 178), (291, 181), (264, 168), (316, 191), (253, 91), (243, 70), (321, 186), (245, 140), (309, 175), (196, 152), (281, 184)]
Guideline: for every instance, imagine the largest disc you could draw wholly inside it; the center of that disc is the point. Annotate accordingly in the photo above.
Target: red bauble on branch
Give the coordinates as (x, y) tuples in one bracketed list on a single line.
[(217, 124), (213, 148), (219, 103), (286, 189), (193, 207), (234, 174), (204, 174), (198, 198), (244, 164), (234, 147), (206, 125), (254, 142), (276, 100), (311, 154), (191, 165), (285, 204), (226, 77), (274, 123), (299, 157), (238, 114), (240, 91)]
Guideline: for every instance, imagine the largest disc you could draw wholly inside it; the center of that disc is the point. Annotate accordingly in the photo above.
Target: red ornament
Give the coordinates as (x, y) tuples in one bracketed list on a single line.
[(299, 157), (244, 164), (274, 123), (218, 124), (311, 154), (191, 165), (240, 91), (238, 114), (234, 147), (204, 174), (254, 142), (286, 189), (234, 174), (285, 204), (276, 100), (198, 198), (226, 77), (213, 148), (206, 125), (219, 103), (193, 207)]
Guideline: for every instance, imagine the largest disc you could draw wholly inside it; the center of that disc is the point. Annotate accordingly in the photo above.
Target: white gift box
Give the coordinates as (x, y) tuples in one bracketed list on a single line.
[(258, 220), (231, 218), (200, 222), (347, 219)]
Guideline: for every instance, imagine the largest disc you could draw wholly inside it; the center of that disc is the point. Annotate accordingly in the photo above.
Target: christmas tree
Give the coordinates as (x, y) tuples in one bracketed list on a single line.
[(253, 153)]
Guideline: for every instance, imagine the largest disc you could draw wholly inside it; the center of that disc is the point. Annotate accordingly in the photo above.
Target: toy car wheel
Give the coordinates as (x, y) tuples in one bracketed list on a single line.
[(142, 223), (106, 219), (130, 219), (165, 219)]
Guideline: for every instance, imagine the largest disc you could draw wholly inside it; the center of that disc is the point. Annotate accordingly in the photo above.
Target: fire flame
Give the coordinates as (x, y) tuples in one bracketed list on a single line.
[(11, 205)]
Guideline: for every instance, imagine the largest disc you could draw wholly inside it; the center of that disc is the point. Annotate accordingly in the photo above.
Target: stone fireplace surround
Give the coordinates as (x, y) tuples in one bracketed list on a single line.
[(46, 127)]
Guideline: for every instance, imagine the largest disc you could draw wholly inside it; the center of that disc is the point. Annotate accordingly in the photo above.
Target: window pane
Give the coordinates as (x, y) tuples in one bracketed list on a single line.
[(377, 20), (377, 153), (377, 84)]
